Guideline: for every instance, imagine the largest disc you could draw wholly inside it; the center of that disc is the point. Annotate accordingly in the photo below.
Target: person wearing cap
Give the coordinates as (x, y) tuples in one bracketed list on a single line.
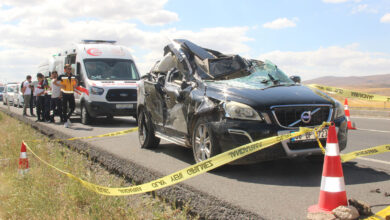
[(68, 84), (55, 102), (27, 91)]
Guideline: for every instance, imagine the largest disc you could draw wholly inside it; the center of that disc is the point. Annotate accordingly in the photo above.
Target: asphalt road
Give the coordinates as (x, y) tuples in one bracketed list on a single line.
[(282, 189)]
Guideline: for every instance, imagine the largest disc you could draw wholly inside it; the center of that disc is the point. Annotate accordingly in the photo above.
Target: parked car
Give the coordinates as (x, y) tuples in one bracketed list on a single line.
[(1, 92), (212, 102), (8, 95), (18, 100)]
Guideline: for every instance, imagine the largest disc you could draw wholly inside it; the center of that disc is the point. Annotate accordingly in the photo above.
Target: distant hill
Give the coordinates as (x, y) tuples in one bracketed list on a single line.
[(374, 81), (377, 84)]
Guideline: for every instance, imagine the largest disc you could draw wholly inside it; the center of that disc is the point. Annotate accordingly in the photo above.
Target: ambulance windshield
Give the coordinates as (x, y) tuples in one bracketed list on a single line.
[(111, 69)]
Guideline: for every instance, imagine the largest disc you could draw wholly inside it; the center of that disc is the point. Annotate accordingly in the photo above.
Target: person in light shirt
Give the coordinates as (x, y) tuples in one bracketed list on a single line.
[(56, 98), (27, 95)]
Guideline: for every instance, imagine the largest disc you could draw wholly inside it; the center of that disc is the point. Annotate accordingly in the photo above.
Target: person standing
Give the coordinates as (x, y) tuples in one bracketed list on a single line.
[(55, 102), (68, 83), (47, 99), (40, 94), (27, 91)]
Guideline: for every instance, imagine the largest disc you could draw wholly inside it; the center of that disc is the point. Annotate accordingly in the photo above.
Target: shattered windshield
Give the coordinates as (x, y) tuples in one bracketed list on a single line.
[(262, 75), (111, 69)]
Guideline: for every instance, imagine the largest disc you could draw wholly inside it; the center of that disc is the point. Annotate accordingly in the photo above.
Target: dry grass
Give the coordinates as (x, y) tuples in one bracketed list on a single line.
[(358, 103), (378, 91), (46, 194)]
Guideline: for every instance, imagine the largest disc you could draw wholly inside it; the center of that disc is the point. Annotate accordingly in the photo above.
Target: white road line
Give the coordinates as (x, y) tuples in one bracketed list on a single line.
[(374, 160), (363, 129)]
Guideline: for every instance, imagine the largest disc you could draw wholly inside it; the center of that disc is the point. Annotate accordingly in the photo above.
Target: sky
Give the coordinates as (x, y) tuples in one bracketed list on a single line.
[(309, 38)]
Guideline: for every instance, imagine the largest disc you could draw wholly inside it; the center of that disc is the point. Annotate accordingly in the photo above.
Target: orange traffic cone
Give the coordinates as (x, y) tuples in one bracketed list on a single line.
[(332, 193), (348, 116), (23, 161)]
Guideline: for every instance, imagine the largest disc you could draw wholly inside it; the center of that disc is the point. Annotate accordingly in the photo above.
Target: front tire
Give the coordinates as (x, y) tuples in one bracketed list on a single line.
[(204, 144), (84, 116), (146, 136)]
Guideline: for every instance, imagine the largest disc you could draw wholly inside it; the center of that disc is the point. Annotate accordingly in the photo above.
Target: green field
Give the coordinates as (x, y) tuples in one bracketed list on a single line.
[(43, 193)]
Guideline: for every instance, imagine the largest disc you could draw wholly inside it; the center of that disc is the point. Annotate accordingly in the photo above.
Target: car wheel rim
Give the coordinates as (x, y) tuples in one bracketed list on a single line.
[(202, 143)]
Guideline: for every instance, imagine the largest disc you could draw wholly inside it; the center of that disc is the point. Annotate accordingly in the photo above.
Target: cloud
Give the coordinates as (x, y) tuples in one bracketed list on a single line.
[(281, 23), (150, 12), (363, 8), (31, 41), (33, 30), (386, 18), (335, 60)]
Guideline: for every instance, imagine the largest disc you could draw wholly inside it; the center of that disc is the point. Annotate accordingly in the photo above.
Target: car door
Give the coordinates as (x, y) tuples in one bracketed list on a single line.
[(175, 111), (154, 103)]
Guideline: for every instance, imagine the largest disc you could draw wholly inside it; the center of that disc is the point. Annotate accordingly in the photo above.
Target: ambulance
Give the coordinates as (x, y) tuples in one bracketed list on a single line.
[(107, 78)]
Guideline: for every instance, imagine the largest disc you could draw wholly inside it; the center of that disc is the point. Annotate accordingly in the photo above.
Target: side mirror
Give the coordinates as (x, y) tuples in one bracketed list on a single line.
[(296, 79)]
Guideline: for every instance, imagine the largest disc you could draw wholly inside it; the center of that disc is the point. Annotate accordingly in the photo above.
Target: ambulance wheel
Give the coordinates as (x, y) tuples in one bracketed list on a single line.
[(84, 116)]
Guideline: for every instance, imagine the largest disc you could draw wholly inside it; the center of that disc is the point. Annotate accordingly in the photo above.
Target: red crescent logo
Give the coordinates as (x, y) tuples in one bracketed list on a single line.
[(94, 52)]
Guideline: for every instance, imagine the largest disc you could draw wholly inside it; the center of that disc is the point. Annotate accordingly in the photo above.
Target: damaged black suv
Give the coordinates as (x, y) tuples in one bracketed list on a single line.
[(212, 102)]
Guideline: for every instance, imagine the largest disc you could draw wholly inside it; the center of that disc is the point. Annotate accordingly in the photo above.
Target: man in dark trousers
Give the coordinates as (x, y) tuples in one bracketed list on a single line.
[(40, 93), (47, 99), (27, 91), (55, 101), (68, 84)]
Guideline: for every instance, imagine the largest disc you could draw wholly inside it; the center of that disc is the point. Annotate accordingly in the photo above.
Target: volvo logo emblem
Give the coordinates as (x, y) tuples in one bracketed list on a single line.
[(306, 117)]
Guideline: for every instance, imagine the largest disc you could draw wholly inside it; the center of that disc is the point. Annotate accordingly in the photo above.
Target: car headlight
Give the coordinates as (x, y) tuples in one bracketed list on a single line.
[(339, 110), (238, 110), (97, 90)]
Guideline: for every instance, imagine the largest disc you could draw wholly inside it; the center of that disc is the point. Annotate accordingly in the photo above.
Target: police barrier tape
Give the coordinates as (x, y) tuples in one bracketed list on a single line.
[(350, 93), (112, 134), (209, 164), (365, 152), (190, 171), (360, 153), (381, 215)]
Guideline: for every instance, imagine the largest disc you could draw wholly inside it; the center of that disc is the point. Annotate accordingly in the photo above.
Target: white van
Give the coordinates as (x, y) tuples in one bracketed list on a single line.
[(107, 77)]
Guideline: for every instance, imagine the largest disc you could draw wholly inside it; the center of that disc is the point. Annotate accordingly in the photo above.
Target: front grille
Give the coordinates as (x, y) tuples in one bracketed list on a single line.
[(121, 95), (290, 116), (301, 145)]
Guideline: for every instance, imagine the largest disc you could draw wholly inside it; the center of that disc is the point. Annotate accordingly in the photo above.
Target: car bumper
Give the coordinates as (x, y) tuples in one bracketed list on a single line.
[(233, 133), (109, 109)]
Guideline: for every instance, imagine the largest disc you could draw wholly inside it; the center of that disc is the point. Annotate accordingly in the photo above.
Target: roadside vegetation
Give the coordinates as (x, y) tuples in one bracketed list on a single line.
[(43, 193), (363, 104)]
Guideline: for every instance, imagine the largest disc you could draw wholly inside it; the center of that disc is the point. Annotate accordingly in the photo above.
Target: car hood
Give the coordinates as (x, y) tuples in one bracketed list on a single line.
[(264, 98)]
